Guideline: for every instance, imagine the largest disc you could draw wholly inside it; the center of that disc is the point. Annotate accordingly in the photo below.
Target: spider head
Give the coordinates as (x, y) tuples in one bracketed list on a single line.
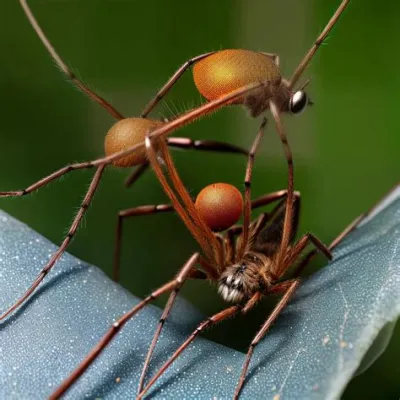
[(240, 281), (231, 285)]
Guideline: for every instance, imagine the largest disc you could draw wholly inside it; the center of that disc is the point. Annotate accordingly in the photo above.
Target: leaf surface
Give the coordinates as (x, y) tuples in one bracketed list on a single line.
[(311, 352)]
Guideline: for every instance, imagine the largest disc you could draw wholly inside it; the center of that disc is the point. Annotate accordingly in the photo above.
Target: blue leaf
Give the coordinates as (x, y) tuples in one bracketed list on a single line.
[(311, 352)]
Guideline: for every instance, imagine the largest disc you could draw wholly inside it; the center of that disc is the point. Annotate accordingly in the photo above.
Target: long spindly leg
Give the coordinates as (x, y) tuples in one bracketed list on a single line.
[(132, 212), (308, 257), (157, 133), (173, 285), (297, 249), (189, 144), (64, 68), (71, 233), (206, 145), (210, 273), (269, 198), (266, 230), (137, 212), (163, 131), (262, 201), (182, 202), (47, 179), (360, 218), (137, 172), (289, 288), (171, 82), (307, 58), (247, 189), (260, 222), (288, 220), (216, 318)]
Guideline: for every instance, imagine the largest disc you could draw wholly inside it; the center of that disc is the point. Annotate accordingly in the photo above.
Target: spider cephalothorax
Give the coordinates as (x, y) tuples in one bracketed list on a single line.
[(293, 102), (239, 281)]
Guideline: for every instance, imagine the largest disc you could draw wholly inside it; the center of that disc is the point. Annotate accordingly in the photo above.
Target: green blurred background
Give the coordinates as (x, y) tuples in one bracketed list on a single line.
[(346, 147)]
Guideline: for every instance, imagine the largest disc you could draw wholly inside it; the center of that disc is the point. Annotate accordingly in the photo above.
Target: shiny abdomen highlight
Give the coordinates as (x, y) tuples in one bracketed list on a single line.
[(229, 70)]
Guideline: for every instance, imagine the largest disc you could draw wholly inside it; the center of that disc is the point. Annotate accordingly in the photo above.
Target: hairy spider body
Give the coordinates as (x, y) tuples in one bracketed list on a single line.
[(218, 73), (124, 147), (241, 280), (245, 267), (280, 94), (226, 70), (246, 262)]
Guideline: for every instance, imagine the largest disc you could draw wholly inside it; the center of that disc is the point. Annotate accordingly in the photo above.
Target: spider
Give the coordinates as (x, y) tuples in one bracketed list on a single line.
[(124, 141), (246, 263), (124, 147), (258, 93), (217, 73)]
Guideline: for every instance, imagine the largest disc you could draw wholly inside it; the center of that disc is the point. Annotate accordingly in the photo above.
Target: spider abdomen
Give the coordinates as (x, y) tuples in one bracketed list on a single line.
[(229, 70), (220, 205), (126, 133)]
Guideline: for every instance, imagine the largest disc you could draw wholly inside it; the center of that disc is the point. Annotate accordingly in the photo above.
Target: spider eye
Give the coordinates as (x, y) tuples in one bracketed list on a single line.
[(298, 102)]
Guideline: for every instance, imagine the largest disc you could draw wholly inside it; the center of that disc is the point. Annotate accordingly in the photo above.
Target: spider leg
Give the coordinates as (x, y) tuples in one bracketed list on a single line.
[(216, 318), (173, 285), (164, 316), (47, 179), (247, 187), (137, 172), (310, 54), (64, 68), (132, 212), (187, 144), (261, 201), (171, 82), (305, 241), (350, 228), (70, 235), (289, 288), (287, 230)]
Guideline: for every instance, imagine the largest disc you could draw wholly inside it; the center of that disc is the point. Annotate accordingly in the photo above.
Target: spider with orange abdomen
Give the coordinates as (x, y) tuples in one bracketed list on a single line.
[(258, 88), (220, 72), (124, 147), (246, 262), (136, 135)]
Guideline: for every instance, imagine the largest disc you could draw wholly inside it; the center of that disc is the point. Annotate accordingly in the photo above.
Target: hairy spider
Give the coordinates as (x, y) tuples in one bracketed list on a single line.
[(124, 146), (246, 262)]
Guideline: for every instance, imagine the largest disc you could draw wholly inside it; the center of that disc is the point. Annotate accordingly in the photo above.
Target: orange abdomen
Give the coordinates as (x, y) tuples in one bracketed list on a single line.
[(126, 133), (220, 205), (228, 70)]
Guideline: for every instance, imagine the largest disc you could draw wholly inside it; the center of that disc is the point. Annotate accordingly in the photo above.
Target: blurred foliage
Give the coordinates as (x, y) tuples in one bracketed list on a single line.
[(345, 147)]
